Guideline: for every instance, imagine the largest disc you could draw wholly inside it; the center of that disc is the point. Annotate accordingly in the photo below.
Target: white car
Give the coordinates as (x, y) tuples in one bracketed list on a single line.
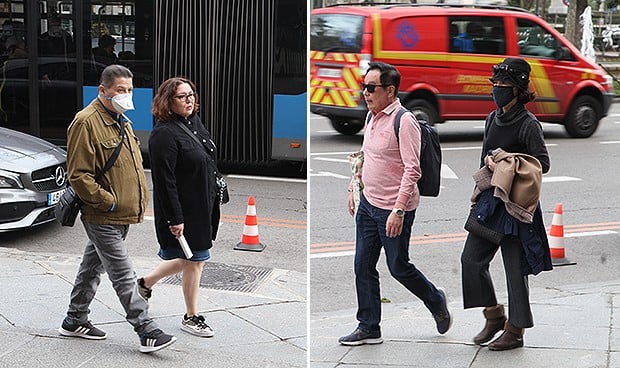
[(33, 175)]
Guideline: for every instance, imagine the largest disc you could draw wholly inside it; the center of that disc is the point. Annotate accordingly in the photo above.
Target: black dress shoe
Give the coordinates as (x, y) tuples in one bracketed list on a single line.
[(442, 317), (361, 337)]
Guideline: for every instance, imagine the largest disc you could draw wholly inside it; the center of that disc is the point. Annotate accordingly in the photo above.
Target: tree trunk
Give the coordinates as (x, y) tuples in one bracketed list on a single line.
[(573, 27), (543, 9)]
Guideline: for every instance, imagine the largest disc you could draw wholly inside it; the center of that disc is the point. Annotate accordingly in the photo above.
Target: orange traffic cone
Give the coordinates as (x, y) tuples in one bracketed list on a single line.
[(556, 239), (249, 239)]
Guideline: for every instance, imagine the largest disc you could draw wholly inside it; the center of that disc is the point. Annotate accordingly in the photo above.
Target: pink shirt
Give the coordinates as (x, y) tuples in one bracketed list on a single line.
[(392, 167)]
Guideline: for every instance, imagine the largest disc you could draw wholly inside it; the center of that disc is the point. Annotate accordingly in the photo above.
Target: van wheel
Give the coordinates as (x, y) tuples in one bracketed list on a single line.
[(583, 117), (346, 127), (423, 110)]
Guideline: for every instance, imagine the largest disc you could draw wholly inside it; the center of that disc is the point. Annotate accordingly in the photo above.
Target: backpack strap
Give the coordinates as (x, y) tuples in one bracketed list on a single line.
[(397, 118), (368, 117)]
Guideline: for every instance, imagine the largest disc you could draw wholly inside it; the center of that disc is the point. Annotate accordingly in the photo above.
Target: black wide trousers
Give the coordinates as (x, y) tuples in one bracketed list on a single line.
[(478, 288)]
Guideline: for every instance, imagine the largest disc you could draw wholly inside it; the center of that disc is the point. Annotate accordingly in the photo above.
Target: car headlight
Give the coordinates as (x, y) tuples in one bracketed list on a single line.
[(10, 180)]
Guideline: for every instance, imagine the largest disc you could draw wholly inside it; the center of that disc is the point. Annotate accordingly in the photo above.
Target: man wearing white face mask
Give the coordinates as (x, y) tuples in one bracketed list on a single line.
[(111, 203)]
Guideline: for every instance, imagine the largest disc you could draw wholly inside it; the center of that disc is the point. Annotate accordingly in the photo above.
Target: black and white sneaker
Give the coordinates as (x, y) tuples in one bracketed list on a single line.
[(85, 331), (144, 291), (196, 325), (155, 340)]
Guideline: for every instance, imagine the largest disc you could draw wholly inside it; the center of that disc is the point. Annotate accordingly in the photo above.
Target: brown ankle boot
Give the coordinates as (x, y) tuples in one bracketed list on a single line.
[(510, 339), (495, 322)]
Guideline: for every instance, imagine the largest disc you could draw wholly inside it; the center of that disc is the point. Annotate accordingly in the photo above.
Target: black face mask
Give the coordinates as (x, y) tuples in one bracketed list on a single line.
[(502, 95)]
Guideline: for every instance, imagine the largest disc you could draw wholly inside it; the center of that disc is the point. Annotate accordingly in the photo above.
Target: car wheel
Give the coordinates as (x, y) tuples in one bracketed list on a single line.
[(583, 117), (423, 110), (347, 127)]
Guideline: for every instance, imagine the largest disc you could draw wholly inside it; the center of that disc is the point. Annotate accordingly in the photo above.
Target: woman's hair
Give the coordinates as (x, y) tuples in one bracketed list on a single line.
[(112, 72), (525, 96), (162, 102)]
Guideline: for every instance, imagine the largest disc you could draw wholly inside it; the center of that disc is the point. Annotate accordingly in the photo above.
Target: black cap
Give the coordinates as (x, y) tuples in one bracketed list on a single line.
[(514, 71)]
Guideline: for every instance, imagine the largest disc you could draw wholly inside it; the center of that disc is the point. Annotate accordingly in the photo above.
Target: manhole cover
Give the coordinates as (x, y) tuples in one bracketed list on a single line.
[(227, 277)]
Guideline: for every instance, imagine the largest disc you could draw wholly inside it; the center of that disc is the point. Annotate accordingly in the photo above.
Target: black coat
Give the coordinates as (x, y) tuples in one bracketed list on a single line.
[(184, 187)]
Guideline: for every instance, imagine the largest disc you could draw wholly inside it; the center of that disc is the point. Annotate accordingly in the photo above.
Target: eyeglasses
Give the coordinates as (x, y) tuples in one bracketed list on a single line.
[(185, 96), (518, 75), (371, 87), (502, 68)]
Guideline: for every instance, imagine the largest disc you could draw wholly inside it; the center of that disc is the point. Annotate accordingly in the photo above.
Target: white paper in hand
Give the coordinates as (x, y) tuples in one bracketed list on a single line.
[(185, 247)]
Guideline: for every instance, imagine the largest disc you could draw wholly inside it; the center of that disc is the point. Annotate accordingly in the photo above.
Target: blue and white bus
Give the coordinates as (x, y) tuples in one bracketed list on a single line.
[(248, 60)]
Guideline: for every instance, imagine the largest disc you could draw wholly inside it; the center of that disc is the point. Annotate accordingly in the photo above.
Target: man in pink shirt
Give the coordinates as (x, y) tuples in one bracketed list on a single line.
[(387, 208)]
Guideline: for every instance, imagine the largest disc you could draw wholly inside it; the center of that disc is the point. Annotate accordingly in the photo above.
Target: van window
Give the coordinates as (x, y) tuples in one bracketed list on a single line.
[(336, 32), (536, 41), (478, 35)]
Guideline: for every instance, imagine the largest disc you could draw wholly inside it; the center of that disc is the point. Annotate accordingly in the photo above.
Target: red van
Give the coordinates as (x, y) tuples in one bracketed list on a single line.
[(445, 54)]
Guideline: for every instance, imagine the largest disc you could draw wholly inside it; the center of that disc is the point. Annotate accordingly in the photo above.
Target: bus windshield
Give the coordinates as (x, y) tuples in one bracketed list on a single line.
[(336, 32)]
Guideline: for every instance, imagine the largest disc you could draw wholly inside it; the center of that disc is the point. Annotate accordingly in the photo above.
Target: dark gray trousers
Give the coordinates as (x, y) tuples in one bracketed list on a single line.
[(106, 252), (478, 288)]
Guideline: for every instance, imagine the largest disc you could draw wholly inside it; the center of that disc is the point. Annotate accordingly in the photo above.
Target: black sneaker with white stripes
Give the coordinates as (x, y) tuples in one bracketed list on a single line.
[(84, 330), (155, 340)]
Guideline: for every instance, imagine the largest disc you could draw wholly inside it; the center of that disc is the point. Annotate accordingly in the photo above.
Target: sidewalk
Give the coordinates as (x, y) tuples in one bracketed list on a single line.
[(576, 326), (262, 328)]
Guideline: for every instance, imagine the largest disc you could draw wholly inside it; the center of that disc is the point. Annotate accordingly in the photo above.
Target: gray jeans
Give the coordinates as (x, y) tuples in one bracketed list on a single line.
[(106, 252)]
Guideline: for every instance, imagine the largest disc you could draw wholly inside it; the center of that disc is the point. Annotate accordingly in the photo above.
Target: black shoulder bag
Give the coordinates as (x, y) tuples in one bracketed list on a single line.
[(69, 204), (219, 179)]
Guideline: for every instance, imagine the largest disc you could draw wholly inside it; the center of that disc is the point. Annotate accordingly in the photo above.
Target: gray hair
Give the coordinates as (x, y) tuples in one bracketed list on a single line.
[(112, 72)]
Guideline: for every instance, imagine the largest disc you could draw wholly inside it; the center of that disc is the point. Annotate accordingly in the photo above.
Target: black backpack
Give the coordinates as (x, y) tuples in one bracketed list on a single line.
[(430, 155)]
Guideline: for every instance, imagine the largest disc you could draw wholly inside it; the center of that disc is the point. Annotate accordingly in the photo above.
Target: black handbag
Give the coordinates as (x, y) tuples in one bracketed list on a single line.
[(69, 204), (68, 207), (476, 228), (222, 187)]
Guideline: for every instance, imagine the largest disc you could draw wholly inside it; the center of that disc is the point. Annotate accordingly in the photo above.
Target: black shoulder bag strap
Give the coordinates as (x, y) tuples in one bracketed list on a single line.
[(189, 132), (116, 152)]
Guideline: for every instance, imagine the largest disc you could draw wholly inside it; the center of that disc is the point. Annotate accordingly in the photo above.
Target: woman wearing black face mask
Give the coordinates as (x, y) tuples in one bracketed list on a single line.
[(525, 249)]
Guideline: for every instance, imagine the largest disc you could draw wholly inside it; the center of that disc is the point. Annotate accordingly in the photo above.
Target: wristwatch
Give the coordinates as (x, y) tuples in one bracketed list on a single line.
[(399, 212)]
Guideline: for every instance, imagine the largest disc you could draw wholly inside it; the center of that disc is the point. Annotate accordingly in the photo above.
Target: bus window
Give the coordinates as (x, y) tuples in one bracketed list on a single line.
[(120, 33), (56, 73), (290, 76), (14, 93)]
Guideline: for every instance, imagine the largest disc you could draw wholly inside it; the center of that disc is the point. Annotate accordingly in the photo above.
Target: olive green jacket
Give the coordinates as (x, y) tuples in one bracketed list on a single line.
[(91, 138)]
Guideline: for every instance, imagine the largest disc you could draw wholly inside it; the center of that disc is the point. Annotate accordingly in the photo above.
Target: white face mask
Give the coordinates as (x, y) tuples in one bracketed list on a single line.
[(122, 102)]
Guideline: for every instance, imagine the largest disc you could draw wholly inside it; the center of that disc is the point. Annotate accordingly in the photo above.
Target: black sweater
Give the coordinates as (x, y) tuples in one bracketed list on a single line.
[(517, 131)]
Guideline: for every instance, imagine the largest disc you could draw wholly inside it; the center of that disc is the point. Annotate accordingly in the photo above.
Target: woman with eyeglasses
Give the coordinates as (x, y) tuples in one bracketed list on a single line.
[(185, 194), (525, 248)]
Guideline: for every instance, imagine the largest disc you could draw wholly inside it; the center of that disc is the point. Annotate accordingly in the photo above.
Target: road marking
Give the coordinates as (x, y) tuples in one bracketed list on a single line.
[(330, 174), (477, 148), (610, 142), (557, 179), (447, 172), (590, 233), (262, 221), (267, 178), (342, 249), (330, 153), (331, 159)]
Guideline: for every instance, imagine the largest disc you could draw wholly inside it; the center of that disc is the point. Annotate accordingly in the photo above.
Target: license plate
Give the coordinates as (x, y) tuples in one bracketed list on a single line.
[(329, 72), (54, 197)]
